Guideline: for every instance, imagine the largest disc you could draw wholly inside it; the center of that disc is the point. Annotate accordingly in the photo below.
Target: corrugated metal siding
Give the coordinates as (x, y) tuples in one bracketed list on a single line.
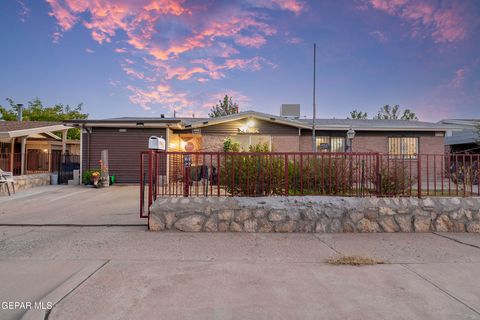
[(264, 127), (123, 150)]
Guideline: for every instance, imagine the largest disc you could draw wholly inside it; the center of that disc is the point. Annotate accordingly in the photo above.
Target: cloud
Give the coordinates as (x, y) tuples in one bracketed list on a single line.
[(450, 98), (173, 41), (379, 35), (442, 21), (290, 5), (294, 40), (457, 81), (24, 12), (88, 50), (161, 94), (212, 99)]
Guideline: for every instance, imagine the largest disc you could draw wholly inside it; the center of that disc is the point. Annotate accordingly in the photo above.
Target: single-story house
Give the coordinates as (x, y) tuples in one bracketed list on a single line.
[(466, 140), (29, 146), (125, 138)]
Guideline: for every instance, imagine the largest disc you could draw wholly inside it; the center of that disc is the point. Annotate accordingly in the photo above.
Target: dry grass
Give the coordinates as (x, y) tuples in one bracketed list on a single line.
[(353, 260)]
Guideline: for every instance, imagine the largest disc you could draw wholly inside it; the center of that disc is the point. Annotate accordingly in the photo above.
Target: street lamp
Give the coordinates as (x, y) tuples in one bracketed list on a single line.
[(350, 136)]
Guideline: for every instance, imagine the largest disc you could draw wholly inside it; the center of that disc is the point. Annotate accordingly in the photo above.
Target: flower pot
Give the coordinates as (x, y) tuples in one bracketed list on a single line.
[(105, 182)]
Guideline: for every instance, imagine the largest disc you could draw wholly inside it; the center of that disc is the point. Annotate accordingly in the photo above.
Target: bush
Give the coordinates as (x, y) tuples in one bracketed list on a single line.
[(395, 178), (253, 174), (322, 175), (87, 176), (261, 174)]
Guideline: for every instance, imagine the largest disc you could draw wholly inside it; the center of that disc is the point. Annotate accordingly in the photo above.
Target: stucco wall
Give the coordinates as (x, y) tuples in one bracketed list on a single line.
[(315, 214)]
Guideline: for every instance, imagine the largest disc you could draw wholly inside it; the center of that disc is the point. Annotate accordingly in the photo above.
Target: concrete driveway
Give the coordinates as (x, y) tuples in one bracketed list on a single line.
[(118, 205)]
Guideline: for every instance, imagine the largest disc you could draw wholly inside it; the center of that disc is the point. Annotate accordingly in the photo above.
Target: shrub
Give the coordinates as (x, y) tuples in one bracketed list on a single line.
[(87, 176), (322, 175), (260, 174), (395, 178)]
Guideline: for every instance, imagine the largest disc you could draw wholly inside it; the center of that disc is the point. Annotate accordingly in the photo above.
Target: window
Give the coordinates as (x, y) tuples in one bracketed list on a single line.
[(330, 144), (246, 141), (405, 147)]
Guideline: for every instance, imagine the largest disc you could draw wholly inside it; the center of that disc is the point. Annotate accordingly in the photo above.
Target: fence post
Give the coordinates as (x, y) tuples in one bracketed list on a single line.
[(150, 184), (419, 176), (142, 187), (378, 174), (286, 174)]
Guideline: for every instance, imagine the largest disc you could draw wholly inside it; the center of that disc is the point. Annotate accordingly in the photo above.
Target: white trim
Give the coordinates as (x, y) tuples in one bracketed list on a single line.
[(26, 132)]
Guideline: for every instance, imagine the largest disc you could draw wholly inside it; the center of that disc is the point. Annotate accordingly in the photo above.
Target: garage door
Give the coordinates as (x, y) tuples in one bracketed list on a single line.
[(124, 147)]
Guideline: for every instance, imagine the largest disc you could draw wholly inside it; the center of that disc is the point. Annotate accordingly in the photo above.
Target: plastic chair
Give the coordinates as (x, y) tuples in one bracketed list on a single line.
[(5, 179)]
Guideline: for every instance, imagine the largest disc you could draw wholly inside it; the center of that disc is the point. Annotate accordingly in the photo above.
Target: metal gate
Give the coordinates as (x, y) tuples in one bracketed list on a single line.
[(64, 164)]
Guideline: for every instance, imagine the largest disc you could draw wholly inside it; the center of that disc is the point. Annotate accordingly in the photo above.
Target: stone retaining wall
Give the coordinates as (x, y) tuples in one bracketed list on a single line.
[(315, 214), (31, 180)]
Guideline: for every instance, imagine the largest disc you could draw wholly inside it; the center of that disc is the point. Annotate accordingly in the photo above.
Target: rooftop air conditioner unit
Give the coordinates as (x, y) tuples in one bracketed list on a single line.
[(290, 111)]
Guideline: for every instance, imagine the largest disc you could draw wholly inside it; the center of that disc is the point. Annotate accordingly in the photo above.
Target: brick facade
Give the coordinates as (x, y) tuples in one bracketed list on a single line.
[(363, 142), (285, 143)]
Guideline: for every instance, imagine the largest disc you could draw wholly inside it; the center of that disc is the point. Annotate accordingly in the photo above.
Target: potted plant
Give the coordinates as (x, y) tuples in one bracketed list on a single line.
[(95, 178)]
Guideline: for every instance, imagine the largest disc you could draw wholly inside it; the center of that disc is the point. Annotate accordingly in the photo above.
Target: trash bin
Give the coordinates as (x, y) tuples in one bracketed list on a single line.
[(54, 178)]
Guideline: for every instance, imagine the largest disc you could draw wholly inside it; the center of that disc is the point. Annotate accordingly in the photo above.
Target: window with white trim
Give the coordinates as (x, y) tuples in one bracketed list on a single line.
[(403, 147), (246, 141)]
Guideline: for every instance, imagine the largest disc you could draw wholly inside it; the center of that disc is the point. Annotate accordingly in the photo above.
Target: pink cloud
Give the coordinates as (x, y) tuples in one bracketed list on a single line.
[(446, 99), (255, 41), (161, 94), (237, 96), (165, 38), (88, 50), (442, 22), (65, 19)]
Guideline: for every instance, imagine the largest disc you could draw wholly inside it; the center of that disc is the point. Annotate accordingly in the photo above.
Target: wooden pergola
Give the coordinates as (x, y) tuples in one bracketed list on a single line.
[(12, 132)]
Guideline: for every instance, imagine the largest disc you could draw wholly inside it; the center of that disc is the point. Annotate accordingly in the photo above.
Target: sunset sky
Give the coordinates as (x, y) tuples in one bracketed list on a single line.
[(147, 57)]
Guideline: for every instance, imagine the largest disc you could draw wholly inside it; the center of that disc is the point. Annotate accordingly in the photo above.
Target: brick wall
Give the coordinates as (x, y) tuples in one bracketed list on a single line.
[(305, 143), (370, 144), (361, 143), (212, 143), (429, 145), (285, 143)]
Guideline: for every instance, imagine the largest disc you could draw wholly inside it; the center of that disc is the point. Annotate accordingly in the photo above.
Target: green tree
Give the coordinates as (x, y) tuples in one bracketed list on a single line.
[(358, 115), (388, 112), (223, 107), (36, 111)]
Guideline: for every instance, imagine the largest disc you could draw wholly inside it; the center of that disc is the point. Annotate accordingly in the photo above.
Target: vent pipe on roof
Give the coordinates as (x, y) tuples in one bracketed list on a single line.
[(19, 112)]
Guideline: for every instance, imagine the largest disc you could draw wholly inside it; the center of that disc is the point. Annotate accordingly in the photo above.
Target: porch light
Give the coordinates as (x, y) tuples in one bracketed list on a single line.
[(250, 123), (350, 134)]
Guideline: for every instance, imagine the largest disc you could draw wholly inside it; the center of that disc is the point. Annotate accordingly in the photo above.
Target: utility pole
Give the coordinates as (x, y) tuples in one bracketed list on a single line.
[(314, 142)]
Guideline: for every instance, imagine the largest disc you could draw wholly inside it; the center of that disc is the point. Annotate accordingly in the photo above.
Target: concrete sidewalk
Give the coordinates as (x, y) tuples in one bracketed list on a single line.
[(130, 273)]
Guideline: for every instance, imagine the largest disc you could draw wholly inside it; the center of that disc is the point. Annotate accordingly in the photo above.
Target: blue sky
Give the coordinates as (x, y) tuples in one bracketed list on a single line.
[(147, 57)]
